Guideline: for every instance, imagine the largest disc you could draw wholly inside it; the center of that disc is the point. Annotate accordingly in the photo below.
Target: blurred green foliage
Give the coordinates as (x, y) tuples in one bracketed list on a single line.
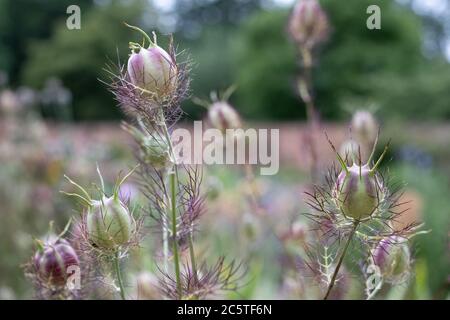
[(385, 66), (79, 56), (433, 252), (248, 47)]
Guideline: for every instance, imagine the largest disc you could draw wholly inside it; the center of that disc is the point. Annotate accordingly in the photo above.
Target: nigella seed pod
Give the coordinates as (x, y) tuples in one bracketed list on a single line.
[(156, 151), (152, 69), (53, 261), (357, 192), (393, 258), (154, 147), (364, 127), (308, 24), (109, 223), (223, 116), (349, 150)]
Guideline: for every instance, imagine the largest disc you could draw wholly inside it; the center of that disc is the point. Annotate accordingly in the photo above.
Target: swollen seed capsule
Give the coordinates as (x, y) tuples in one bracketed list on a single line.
[(392, 256), (357, 192), (109, 223), (153, 70), (54, 260), (364, 127), (308, 24), (223, 116)]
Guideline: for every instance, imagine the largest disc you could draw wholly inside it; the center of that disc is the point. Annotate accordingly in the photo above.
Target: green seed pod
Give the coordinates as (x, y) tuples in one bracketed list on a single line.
[(109, 223), (222, 116), (364, 127), (152, 69), (393, 258), (156, 151), (357, 192)]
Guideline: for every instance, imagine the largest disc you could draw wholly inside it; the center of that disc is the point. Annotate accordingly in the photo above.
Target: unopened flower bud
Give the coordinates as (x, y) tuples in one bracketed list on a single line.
[(357, 192), (364, 127), (392, 256), (223, 116), (53, 261), (109, 223), (308, 24)]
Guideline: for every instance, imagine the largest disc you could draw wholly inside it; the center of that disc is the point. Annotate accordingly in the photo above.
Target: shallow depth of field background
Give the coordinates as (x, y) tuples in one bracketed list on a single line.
[(56, 117)]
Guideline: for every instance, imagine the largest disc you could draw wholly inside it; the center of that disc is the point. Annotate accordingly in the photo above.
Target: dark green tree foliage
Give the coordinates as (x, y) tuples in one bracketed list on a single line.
[(382, 66), (77, 57), (24, 20), (266, 69)]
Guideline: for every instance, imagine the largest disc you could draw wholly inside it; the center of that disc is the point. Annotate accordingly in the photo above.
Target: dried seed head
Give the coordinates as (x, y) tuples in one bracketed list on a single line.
[(223, 116), (308, 24), (109, 223), (364, 127), (152, 69), (393, 258), (357, 192), (53, 259)]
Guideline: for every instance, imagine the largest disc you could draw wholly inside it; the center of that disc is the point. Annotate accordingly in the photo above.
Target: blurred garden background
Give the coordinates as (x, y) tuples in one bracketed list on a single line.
[(57, 117)]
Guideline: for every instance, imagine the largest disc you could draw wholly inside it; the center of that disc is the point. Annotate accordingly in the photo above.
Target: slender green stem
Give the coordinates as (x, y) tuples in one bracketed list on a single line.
[(341, 259), (306, 88), (166, 243), (176, 257), (119, 276), (190, 240)]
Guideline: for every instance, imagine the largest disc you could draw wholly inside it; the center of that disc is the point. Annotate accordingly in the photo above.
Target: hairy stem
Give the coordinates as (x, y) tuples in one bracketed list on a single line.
[(192, 255), (254, 192), (341, 259), (176, 258), (118, 274), (305, 90), (190, 240)]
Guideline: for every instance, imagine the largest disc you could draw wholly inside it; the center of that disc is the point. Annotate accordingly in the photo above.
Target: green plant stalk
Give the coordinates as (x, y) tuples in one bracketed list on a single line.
[(341, 259), (305, 90), (190, 240), (119, 276), (165, 244), (192, 256), (176, 257)]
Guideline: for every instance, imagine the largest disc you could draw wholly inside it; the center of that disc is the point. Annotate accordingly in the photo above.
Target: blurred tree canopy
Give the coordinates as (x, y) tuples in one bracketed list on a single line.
[(384, 66), (25, 20), (241, 42), (79, 56)]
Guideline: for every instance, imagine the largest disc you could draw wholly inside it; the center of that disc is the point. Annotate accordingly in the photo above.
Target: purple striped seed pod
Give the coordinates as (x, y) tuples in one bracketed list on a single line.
[(364, 127), (308, 24), (153, 70), (393, 257), (53, 262), (357, 192), (109, 223), (223, 116)]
